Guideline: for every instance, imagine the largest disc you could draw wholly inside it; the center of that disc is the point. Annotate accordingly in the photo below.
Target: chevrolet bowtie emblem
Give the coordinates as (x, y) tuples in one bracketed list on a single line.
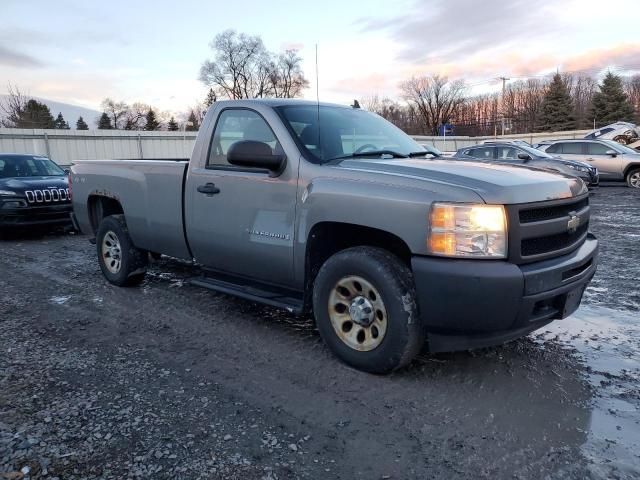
[(573, 223)]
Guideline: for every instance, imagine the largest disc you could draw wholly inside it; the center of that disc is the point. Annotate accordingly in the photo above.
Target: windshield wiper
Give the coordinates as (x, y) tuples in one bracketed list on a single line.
[(371, 153), (422, 154)]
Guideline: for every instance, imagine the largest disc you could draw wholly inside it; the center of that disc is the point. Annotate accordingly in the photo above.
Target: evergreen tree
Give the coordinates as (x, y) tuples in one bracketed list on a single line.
[(172, 126), (104, 123), (211, 98), (81, 124), (35, 115), (611, 103), (557, 107), (60, 122), (152, 122), (192, 123)]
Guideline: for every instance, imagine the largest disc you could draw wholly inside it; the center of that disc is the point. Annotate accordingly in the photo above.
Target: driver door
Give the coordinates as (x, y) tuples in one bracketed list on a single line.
[(240, 221)]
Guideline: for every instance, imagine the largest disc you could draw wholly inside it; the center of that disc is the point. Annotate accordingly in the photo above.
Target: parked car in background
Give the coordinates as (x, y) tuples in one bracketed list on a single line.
[(522, 143), (620, 132), (614, 161), (34, 191), (524, 155)]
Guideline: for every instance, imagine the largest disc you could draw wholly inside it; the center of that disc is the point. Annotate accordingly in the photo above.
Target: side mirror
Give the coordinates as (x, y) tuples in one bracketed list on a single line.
[(524, 156), (613, 153), (67, 171), (249, 153)]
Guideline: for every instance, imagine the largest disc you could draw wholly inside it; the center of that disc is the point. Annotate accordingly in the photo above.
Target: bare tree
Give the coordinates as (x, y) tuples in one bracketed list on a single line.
[(286, 76), (13, 107), (434, 98), (632, 88), (134, 116), (115, 110), (244, 68), (582, 89), (239, 61)]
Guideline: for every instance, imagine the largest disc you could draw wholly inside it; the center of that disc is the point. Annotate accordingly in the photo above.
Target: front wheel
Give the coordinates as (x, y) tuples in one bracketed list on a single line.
[(120, 261), (633, 178), (621, 139), (365, 309)]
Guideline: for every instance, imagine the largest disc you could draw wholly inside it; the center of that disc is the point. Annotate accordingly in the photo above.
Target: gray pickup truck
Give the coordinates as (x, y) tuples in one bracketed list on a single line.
[(331, 209)]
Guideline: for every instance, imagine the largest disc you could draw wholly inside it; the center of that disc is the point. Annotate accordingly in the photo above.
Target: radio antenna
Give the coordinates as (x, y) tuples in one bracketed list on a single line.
[(318, 100)]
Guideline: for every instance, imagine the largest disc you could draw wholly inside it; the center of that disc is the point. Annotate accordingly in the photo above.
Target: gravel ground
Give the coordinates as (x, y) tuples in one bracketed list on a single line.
[(171, 381)]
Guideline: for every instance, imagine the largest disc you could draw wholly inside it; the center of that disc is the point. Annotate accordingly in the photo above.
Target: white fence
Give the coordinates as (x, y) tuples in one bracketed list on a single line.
[(65, 146)]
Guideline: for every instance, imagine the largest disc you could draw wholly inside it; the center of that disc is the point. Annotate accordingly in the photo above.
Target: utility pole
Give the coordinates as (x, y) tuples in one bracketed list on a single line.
[(504, 84)]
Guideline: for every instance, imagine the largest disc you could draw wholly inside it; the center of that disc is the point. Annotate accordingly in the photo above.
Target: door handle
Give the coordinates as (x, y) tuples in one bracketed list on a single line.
[(208, 189)]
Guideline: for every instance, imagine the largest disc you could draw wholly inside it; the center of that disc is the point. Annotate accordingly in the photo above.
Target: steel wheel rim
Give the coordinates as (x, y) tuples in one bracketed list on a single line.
[(634, 180), (349, 301), (111, 252)]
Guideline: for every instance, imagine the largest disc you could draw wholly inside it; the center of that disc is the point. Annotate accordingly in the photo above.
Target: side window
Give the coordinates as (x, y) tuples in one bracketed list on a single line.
[(507, 153), (236, 125), (572, 148), (484, 153), (555, 148), (597, 149)]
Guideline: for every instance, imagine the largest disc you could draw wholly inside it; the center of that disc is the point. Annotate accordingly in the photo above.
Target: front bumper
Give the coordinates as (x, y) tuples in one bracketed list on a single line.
[(473, 303), (50, 215)]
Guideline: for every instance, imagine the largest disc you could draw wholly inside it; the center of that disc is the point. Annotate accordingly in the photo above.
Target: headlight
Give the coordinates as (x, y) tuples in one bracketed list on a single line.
[(579, 168), (8, 192), (465, 230)]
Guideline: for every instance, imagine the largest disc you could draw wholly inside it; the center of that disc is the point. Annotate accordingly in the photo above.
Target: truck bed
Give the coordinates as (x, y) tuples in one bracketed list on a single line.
[(150, 191)]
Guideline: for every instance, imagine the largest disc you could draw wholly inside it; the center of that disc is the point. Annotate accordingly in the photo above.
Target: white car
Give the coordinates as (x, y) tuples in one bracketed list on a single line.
[(621, 132)]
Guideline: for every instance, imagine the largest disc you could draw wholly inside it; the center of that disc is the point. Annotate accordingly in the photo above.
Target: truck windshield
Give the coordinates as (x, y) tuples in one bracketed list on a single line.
[(17, 166), (328, 133)]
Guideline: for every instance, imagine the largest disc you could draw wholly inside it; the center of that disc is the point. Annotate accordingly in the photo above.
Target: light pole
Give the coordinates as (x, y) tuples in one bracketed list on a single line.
[(504, 84)]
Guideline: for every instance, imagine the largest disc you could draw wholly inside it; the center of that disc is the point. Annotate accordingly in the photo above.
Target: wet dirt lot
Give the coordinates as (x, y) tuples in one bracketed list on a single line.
[(168, 380)]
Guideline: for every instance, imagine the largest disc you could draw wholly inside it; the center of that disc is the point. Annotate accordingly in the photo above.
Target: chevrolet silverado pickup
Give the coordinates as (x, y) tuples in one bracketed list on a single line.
[(332, 210)]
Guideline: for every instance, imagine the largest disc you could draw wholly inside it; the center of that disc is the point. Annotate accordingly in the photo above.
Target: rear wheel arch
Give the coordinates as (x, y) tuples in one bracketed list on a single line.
[(100, 207)]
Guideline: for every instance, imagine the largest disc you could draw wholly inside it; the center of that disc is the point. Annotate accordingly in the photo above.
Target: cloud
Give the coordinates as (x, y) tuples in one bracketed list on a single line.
[(291, 46), (17, 59), (441, 29), (479, 69)]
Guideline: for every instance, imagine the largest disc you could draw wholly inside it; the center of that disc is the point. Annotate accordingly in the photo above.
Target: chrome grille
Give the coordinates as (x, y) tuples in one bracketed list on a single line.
[(542, 230), (47, 195)]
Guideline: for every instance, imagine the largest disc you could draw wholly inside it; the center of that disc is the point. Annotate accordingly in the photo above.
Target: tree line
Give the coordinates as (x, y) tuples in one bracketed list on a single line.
[(559, 102)]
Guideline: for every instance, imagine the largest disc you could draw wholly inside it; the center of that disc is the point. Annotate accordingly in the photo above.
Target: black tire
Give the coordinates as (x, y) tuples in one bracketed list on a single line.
[(633, 178), (404, 335), (622, 140), (132, 261)]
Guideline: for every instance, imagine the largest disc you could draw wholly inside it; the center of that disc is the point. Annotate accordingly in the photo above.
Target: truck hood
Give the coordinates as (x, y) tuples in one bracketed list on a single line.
[(495, 183)]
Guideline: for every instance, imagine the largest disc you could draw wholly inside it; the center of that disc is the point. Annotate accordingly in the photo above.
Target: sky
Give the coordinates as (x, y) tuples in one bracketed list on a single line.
[(80, 52)]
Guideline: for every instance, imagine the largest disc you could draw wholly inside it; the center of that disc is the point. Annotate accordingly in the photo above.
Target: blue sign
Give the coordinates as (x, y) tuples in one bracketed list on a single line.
[(445, 129)]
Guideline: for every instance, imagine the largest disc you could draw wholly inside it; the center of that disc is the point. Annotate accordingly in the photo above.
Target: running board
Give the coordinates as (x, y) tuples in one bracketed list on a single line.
[(276, 298)]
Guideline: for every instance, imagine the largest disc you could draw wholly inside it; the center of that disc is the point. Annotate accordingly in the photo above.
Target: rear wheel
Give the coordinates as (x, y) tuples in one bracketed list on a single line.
[(365, 309), (120, 261), (633, 178)]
